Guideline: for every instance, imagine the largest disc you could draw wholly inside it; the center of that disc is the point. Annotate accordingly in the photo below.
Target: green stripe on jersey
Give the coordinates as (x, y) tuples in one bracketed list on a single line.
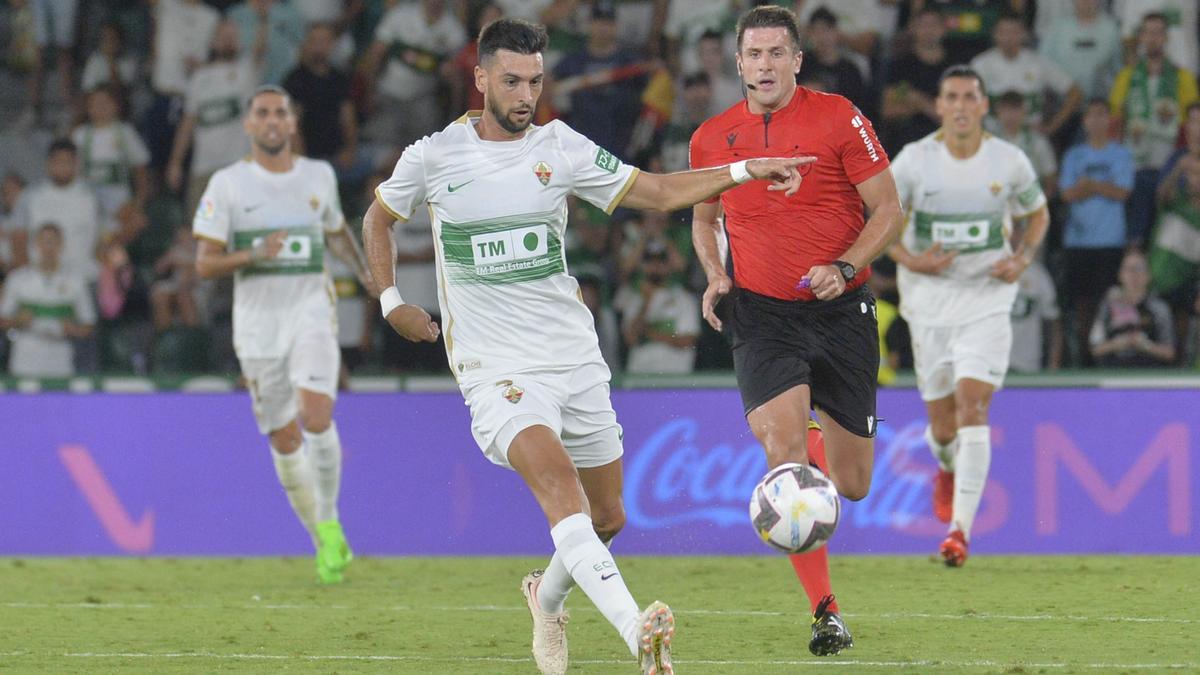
[(963, 232), (49, 311), (507, 250), (303, 251)]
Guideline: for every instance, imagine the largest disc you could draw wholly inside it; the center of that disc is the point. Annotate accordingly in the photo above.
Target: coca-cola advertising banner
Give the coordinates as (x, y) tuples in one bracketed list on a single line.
[(1073, 471)]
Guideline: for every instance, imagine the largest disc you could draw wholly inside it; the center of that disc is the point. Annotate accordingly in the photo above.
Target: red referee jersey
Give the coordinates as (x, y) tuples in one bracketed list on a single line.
[(774, 239)]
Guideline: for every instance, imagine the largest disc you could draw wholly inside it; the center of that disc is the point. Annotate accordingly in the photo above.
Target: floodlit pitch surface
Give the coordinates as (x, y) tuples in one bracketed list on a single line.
[(734, 615)]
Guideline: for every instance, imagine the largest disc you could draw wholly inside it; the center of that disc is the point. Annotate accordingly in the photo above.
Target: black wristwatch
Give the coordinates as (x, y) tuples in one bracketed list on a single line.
[(847, 270)]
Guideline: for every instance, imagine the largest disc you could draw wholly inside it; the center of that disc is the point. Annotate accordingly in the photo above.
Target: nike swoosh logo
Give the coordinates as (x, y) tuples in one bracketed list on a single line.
[(252, 208), (606, 577), (452, 188)]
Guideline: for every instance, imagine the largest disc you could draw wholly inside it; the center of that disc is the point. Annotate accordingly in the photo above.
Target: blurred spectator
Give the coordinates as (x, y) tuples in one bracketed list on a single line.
[(183, 34), (20, 48), (694, 107), (319, 11), (969, 24), (67, 201), (1010, 66), (719, 66), (689, 20), (113, 160), (320, 94), (823, 61), (1175, 254), (1097, 176), (45, 306), (212, 122), (270, 34), (601, 84), (1085, 43), (859, 22), (10, 194), (1180, 16), (651, 230), (1035, 310), (908, 111), (459, 73), (1011, 125), (402, 66), (53, 28), (591, 290), (109, 64), (1149, 98), (175, 295), (660, 318), (1133, 327), (590, 250)]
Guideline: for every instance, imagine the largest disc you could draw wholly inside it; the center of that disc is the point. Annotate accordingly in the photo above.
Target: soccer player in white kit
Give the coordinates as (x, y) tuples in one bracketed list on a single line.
[(267, 219), (961, 188), (519, 338)]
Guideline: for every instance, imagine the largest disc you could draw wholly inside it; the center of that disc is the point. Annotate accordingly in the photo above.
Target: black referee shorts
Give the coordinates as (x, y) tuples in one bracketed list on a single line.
[(832, 346)]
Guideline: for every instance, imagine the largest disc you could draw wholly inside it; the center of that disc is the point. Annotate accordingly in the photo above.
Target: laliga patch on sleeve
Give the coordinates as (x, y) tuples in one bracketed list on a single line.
[(207, 208), (607, 161)]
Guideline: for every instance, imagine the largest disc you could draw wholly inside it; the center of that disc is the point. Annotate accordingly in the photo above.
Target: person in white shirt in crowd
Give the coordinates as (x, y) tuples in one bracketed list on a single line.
[(660, 318), (1011, 126), (44, 306), (1085, 43), (1010, 65), (721, 71), (861, 23), (113, 160), (67, 200), (109, 63), (402, 70), (1036, 317), (212, 123), (53, 28), (271, 33), (687, 22), (183, 32)]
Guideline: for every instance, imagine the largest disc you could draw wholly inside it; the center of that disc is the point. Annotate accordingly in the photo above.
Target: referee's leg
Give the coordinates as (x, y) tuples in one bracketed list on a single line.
[(851, 457)]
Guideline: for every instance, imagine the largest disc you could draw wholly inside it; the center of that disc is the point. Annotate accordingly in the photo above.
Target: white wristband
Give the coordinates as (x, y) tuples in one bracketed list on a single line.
[(739, 173), (390, 299)]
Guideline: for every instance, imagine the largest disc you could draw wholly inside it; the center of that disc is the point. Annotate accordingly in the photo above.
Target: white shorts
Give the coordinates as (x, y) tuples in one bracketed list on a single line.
[(574, 404), (314, 363), (943, 355), (54, 22)]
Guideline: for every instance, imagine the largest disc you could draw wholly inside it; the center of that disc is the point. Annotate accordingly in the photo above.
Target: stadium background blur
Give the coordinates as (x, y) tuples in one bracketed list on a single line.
[(637, 76)]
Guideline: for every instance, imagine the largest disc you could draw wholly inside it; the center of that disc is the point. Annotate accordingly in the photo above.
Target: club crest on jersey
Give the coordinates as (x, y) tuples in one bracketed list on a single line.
[(543, 172), (513, 393), (314, 202), (995, 187)]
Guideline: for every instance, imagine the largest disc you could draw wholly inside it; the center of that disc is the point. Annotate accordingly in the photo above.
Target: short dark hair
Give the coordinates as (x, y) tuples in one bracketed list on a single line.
[(63, 144), (962, 70), (1153, 16), (710, 34), (52, 226), (823, 15), (770, 16), (1103, 102), (267, 89), (513, 35), (1010, 99), (697, 79)]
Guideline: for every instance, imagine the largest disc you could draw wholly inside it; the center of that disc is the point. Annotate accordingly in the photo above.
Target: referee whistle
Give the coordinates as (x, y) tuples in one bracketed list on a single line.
[(804, 283)]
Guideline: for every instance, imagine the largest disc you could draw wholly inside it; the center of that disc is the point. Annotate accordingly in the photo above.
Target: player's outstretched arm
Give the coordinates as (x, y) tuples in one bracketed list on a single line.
[(410, 321), (672, 191), (213, 261)]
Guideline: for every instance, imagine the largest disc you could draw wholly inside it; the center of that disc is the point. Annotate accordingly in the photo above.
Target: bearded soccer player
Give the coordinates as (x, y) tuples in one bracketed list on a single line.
[(793, 297)]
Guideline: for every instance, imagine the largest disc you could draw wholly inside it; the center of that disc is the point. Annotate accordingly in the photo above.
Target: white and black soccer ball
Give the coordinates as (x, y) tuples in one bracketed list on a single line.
[(795, 508)]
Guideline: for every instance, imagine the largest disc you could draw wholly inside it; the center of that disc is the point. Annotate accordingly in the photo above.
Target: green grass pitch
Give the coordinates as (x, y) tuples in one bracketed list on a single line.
[(1004, 614)]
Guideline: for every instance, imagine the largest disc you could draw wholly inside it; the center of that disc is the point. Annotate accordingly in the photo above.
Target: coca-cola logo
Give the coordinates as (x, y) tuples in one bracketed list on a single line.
[(675, 478)]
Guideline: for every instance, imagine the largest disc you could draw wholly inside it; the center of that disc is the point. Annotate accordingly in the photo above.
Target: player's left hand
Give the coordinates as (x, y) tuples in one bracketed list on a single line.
[(783, 172), (1009, 269), (825, 281)]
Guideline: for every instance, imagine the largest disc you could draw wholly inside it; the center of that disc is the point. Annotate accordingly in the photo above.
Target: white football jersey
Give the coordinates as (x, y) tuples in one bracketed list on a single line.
[(966, 205), (274, 298), (499, 210)]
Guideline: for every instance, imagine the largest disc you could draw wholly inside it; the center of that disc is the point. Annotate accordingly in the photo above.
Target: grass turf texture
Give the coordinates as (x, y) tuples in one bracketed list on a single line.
[(735, 615)]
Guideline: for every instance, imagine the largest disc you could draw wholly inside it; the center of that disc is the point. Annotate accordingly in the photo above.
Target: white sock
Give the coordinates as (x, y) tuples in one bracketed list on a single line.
[(944, 454), (589, 562), (296, 476), (326, 451), (974, 458), (555, 585)]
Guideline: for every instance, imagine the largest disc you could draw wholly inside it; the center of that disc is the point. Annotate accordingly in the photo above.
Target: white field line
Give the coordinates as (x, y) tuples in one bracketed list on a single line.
[(500, 659), (982, 616)]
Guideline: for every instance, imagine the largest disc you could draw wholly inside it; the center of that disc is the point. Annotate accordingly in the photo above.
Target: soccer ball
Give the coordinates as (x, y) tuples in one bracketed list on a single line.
[(795, 508)]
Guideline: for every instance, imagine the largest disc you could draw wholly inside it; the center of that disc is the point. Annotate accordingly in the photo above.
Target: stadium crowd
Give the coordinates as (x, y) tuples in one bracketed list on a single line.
[(115, 114)]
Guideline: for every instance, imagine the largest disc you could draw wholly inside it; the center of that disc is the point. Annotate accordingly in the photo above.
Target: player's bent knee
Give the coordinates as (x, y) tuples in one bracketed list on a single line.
[(287, 440), (608, 524)]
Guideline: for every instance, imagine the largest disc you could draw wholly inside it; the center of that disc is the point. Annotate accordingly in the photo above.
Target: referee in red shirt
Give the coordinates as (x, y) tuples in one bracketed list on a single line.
[(798, 312)]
